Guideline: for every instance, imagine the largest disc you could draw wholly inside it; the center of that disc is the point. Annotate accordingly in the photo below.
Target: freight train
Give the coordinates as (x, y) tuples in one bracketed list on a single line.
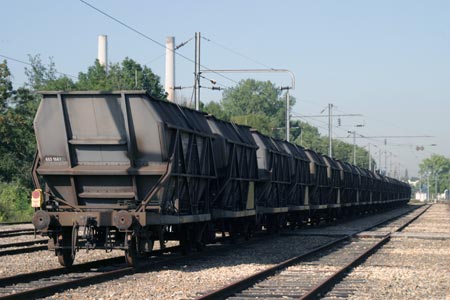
[(122, 170)]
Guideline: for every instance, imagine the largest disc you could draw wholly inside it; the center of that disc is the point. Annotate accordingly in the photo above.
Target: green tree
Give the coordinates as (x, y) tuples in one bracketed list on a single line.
[(258, 104), (310, 138), (263, 123), (216, 110), (437, 167), (43, 77), (252, 97), (128, 75), (14, 202), (17, 145), (6, 87)]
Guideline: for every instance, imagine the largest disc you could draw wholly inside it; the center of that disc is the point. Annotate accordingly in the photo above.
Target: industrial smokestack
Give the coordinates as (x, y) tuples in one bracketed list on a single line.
[(170, 68), (103, 50)]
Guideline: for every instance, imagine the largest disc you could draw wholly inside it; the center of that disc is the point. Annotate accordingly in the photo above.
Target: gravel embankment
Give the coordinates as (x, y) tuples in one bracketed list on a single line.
[(44, 260), (406, 268)]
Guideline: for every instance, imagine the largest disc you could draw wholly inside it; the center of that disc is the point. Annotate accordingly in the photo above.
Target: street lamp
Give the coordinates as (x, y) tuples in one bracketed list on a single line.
[(436, 173), (354, 142), (427, 173)]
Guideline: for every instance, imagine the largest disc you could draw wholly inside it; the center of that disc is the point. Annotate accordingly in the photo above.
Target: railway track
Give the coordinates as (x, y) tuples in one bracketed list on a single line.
[(16, 232), (13, 223), (310, 275), (409, 258), (45, 283), (23, 247)]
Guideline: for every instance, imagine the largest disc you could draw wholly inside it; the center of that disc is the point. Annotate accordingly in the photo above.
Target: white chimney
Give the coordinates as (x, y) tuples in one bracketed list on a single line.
[(170, 68), (103, 50)]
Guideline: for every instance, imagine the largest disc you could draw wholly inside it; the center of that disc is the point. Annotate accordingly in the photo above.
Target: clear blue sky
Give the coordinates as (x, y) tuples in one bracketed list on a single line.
[(388, 60)]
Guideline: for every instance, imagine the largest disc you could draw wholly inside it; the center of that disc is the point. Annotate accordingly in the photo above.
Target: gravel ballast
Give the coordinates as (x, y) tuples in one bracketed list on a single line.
[(187, 281), (406, 268)]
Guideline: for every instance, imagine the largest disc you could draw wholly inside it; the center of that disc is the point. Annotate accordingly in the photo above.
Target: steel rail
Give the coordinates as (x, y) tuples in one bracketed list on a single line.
[(14, 223), (22, 250), (242, 284), (51, 289), (23, 244), (328, 283), (16, 232)]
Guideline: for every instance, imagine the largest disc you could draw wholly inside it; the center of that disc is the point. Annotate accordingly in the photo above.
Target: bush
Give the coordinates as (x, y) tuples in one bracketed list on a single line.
[(14, 203)]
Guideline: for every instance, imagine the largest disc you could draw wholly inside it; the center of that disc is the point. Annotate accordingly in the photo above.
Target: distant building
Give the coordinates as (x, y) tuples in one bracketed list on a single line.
[(421, 196)]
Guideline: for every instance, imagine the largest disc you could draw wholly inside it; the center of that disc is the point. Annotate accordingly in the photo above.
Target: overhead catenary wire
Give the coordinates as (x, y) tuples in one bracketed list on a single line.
[(150, 38), (176, 48), (29, 64), (236, 53)]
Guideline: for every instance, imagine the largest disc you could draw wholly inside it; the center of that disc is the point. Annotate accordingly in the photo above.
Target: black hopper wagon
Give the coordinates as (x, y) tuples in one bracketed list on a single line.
[(122, 170)]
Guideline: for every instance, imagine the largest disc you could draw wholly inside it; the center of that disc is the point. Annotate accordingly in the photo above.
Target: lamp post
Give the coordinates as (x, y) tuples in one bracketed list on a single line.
[(436, 174), (354, 142), (354, 146), (428, 185)]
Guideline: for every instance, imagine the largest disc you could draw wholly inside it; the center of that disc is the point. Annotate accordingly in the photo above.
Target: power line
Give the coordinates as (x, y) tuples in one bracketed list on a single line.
[(148, 37), (176, 48), (155, 59), (29, 64), (236, 53)]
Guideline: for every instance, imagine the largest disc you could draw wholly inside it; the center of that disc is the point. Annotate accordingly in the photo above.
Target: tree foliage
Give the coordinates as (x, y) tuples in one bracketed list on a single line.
[(258, 104), (6, 87), (437, 168), (17, 137), (43, 77), (217, 110), (17, 146), (14, 203), (128, 75)]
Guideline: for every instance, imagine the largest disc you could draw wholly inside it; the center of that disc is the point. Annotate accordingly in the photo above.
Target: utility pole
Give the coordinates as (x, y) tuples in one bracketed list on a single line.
[(379, 159), (288, 112), (288, 116), (390, 163), (435, 187), (370, 160), (385, 157), (330, 126), (197, 71), (354, 146), (330, 123)]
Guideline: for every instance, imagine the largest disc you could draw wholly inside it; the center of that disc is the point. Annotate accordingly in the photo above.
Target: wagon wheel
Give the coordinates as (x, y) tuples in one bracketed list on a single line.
[(198, 236), (65, 255), (132, 255), (185, 241), (248, 230)]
